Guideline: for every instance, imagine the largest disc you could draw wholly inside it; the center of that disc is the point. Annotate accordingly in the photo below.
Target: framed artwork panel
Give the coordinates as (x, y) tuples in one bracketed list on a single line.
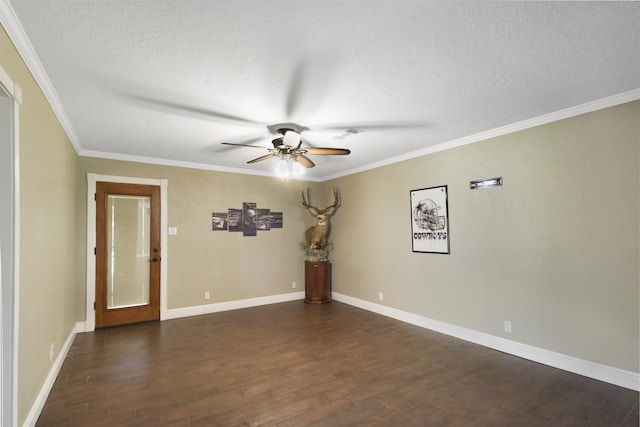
[(430, 220)]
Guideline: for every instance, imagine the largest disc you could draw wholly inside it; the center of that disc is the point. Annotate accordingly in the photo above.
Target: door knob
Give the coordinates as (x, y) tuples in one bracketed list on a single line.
[(155, 259)]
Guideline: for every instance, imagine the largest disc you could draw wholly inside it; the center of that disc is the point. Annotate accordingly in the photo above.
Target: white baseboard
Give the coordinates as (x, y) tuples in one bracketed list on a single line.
[(619, 377), (41, 399), (176, 313)]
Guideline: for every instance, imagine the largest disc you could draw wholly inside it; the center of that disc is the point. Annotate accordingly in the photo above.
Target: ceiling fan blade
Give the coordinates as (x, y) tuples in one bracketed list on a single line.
[(244, 145), (295, 89), (327, 151), (371, 126), (304, 161), (178, 107), (259, 159), (309, 82)]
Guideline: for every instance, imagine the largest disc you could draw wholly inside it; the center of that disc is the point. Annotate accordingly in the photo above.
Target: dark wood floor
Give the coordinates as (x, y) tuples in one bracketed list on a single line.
[(294, 364)]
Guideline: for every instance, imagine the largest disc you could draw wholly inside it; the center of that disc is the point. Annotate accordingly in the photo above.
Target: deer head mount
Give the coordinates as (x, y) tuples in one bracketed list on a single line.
[(317, 235)]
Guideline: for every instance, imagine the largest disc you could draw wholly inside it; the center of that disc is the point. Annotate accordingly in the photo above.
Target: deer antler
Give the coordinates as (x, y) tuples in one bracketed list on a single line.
[(336, 198), (306, 202)]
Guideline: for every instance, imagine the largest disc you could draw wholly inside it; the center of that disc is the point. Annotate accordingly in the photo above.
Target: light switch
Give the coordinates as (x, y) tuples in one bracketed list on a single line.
[(173, 231)]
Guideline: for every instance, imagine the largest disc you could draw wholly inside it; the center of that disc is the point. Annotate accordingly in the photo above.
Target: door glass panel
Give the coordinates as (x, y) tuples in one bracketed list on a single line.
[(128, 241)]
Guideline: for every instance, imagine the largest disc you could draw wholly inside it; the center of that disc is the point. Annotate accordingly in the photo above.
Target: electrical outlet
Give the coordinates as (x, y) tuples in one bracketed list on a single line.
[(507, 326), (52, 351), (207, 295), (380, 296), (294, 285)]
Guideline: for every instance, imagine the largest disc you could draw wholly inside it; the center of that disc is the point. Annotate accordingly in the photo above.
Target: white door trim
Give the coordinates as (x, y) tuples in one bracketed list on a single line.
[(90, 319), (9, 404)]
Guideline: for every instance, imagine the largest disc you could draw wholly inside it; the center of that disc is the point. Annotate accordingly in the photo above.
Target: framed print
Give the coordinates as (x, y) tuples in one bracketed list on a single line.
[(263, 219), (219, 221), (430, 220), (275, 220), (234, 219), (249, 219)]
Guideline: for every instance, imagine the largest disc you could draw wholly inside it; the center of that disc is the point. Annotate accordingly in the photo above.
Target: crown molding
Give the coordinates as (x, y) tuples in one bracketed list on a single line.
[(183, 164), (22, 43), (600, 104)]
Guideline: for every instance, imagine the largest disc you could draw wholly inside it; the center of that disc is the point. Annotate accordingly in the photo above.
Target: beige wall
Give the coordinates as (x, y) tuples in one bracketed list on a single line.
[(48, 215), (228, 265), (555, 250)]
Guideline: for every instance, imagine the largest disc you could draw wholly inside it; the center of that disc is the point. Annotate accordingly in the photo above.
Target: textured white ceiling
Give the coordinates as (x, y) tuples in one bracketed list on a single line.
[(167, 81)]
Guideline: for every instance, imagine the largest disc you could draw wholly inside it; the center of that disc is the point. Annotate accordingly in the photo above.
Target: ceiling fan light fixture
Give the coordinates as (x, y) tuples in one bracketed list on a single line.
[(282, 168), (288, 166), (291, 138), (297, 169)]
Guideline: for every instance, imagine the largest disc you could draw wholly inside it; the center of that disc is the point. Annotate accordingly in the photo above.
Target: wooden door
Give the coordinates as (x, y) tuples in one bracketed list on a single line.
[(128, 253)]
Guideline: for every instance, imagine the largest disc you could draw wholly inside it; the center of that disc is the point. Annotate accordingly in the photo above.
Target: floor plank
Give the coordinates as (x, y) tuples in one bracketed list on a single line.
[(295, 364)]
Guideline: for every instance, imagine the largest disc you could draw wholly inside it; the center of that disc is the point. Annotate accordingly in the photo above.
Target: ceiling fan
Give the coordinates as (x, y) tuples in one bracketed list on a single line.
[(288, 146)]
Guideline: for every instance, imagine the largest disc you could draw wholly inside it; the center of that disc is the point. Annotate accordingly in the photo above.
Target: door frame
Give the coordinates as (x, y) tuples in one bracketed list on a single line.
[(10, 292), (90, 320)]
